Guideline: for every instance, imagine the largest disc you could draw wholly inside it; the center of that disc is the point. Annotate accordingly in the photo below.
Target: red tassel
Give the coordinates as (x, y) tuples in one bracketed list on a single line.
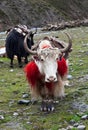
[(32, 73), (62, 67)]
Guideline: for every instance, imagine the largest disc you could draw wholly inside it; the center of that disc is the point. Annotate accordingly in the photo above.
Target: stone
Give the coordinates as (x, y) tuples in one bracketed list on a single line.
[(84, 117), (15, 114), (69, 127), (76, 124), (72, 122), (25, 95), (69, 77), (1, 117), (81, 127), (11, 70), (24, 101)]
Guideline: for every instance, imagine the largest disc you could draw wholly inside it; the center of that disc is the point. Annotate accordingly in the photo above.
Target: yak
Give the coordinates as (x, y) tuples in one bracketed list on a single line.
[(14, 43), (47, 72)]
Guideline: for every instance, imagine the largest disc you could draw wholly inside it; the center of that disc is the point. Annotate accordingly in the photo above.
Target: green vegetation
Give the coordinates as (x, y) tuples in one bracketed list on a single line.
[(13, 85)]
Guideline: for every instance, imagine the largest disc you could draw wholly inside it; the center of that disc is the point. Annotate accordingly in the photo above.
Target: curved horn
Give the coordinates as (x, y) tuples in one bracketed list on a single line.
[(26, 46), (32, 33), (69, 44), (35, 31), (35, 46)]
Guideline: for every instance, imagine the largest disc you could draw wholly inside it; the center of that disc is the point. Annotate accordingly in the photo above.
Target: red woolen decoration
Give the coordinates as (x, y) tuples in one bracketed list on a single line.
[(62, 67), (32, 73)]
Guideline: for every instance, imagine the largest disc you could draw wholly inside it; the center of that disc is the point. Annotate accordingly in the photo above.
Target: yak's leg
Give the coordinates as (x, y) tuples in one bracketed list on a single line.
[(59, 89), (26, 60), (47, 105), (11, 62), (47, 98), (19, 61)]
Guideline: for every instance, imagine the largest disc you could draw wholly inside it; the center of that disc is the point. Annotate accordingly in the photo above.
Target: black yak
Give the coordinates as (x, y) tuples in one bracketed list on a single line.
[(15, 43)]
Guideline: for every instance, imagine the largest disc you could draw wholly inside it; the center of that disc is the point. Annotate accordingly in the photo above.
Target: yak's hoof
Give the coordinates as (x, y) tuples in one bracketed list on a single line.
[(11, 66), (20, 66), (47, 106), (26, 62)]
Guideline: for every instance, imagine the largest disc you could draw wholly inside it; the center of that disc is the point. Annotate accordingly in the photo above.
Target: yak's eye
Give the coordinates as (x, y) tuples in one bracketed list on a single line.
[(57, 58)]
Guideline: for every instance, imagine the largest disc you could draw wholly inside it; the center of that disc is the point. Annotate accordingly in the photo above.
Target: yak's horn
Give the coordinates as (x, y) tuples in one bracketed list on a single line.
[(26, 46), (66, 49)]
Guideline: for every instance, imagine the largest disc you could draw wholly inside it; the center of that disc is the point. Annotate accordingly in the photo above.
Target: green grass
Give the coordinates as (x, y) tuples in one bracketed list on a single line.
[(13, 84)]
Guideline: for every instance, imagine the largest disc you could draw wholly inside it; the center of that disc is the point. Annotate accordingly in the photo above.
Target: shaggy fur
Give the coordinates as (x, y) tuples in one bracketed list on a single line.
[(33, 75)]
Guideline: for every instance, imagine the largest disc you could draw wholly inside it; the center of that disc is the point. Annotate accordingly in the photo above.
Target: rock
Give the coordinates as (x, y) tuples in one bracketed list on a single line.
[(69, 127), (24, 101), (25, 95), (28, 122), (62, 129), (11, 70), (1, 117), (84, 117), (81, 64), (35, 128), (80, 60), (81, 127), (15, 114), (72, 122), (76, 124), (81, 106), (69, 77)]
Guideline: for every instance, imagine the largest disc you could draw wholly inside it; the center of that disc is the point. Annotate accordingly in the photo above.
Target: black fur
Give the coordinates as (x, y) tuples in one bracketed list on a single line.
[(15, 46)]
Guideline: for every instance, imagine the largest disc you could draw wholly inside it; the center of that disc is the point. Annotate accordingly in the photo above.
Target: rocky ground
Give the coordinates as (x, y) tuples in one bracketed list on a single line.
[(71, 113)]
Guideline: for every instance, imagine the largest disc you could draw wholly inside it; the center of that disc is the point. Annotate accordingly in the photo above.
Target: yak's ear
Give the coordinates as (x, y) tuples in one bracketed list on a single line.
[(36, 58)]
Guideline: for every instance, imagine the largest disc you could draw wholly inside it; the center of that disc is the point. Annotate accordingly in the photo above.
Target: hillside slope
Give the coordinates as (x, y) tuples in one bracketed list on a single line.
[(40, 12)]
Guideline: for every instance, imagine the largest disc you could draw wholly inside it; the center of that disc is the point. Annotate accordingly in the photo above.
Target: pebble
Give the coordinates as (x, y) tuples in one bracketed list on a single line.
[(69, 127), (72, 122), (25, 96), (69, 77), (11, 70), (81, 127), (62, 129), (24, 101), (35, 128), (15, 114), (29, 122), (84, 117), (76, 124), (1, 117)]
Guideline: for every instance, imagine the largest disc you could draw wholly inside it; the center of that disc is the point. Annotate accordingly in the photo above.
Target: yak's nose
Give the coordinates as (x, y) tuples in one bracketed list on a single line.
[(51, 79)]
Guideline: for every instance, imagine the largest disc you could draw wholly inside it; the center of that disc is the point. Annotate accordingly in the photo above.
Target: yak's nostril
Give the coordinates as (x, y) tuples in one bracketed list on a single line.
[(51, 78)]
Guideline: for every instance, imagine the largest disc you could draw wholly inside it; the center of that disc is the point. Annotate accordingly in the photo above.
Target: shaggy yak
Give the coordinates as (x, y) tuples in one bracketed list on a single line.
[(48, 70), (15, 43)]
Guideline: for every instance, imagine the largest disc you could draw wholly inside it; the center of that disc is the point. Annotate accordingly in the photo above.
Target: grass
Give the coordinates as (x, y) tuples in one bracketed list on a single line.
[(13, 85)]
